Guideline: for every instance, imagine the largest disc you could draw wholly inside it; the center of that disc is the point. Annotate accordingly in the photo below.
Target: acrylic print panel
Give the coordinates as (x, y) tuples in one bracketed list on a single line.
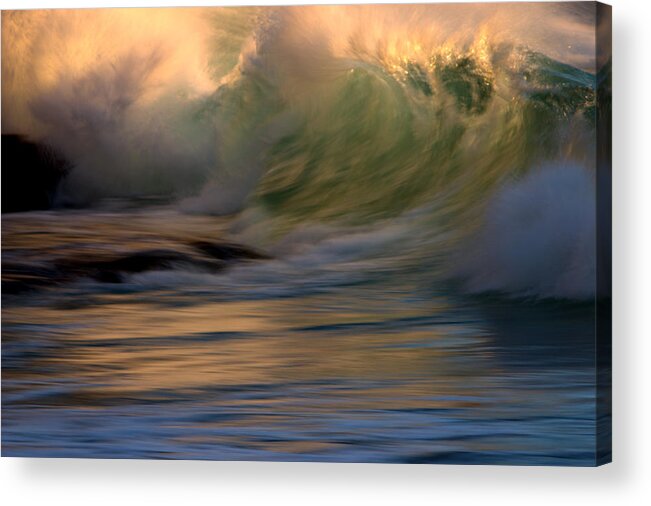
[(368, 233)]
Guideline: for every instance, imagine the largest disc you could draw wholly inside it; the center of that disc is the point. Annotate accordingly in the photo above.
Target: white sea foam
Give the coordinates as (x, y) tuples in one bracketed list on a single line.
[(537, 238)]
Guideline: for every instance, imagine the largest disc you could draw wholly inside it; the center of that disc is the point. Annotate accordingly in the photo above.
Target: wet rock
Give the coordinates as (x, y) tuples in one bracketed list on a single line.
[(228, 252), (203, 256), (31, 173), (113, 270)]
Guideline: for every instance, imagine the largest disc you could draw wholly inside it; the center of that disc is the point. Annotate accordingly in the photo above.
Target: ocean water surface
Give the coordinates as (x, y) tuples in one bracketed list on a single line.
[(279, 359)]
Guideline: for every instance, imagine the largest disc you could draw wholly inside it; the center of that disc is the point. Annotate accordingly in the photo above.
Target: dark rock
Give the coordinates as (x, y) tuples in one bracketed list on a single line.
[(31, 173), (207, 257), (228, 252), (112, 270)]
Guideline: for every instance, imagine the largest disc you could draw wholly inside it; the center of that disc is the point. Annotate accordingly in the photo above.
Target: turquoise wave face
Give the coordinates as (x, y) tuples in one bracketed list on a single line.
[(377, 140)]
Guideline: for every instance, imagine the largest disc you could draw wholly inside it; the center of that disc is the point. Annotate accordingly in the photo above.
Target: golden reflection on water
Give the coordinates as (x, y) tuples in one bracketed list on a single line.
[(117, 353), (123, 346), (102, 232)]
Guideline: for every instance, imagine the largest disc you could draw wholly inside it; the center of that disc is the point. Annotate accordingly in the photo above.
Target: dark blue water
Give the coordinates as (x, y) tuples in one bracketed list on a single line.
[(359, 360)]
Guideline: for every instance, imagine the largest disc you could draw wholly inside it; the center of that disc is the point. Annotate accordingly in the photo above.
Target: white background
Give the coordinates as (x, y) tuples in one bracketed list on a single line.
[(625, 482)]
